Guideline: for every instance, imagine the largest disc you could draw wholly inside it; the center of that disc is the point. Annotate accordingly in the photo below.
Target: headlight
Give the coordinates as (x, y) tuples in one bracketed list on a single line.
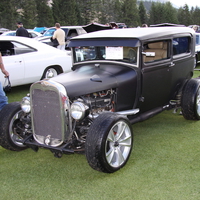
[(26, 105), (78, 110)]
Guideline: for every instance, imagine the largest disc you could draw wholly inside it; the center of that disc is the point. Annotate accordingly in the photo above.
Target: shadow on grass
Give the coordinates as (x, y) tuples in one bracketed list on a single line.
[(18, 92)]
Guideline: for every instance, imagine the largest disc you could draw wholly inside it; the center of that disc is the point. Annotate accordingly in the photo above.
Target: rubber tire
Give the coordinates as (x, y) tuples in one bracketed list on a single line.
[(96, 141), (190, 100), (51, 68), (6, 116)]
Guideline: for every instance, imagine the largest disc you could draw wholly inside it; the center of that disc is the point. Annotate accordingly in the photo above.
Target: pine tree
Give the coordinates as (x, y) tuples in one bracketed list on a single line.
[(142, 13), (29, 14), (130, 13), (64, 12), (195, 15), (44, 14), (170, 14), (184, 15), (153, 17), (117, 12), (8, 14), (88, 9)]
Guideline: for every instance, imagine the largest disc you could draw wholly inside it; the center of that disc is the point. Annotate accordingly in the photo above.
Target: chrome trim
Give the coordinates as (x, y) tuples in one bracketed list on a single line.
[(105, 61), (64, 106), (129, 112)]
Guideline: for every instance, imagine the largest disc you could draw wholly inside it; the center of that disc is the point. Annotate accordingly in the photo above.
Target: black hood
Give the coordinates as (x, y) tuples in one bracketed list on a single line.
[(98, 77), (87, 79)]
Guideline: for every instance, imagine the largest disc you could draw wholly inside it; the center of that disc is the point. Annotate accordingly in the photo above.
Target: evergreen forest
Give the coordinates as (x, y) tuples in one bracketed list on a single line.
[(39, 13)]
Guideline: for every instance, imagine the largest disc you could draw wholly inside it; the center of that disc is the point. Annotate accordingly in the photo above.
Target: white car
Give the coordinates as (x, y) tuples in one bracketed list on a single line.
[(28, 60), (70, 31), (32, 34)]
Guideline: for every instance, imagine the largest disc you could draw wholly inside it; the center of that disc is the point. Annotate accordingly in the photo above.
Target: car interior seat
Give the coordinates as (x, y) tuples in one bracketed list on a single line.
[(159, 49), (129, 54)]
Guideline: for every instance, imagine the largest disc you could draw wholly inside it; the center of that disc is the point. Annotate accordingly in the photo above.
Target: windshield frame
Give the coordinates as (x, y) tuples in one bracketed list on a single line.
[(105, 42), (122, 54)]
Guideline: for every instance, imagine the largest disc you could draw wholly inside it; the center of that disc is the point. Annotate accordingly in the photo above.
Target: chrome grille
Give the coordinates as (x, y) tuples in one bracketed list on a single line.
[(48, 113)]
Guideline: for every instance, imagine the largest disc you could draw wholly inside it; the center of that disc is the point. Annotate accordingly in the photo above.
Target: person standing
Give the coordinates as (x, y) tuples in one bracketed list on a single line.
[(21, 31), (59, 34), (3, 97)]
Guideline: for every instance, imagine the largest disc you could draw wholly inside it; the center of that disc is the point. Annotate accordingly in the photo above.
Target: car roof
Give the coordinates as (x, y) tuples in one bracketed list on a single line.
[(136, 33), (68, 27), (29, 30), (28, 41)]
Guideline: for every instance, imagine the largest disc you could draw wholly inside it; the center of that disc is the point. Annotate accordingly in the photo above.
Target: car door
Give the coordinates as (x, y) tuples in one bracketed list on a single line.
[(13, 63), (32, 61), (183, 60), (156, 75)]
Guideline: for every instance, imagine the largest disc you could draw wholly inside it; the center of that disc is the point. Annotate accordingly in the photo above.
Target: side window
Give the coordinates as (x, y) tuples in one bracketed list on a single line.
[(7, 48), (155, 51), (81, 31), (181, 45), (21, 48), (130, 54), (66, 31), (33, 35), (72, 33), (197, 39)]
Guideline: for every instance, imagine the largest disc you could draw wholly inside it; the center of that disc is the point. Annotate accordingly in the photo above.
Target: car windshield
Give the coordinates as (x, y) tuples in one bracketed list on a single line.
[(118, 53), (9, 33), (49, 32)]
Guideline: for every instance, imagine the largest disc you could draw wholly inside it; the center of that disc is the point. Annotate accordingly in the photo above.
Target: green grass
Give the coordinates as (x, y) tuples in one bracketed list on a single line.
[(164, 165)]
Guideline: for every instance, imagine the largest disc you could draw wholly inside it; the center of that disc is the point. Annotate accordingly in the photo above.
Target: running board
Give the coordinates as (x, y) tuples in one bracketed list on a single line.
[(146, 115)]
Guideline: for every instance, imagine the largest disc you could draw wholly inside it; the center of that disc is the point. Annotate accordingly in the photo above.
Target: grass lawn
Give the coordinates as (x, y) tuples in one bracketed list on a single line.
[(164, 165)]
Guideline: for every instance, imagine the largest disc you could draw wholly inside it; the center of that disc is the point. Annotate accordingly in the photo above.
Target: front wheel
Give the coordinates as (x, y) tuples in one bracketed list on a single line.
[(11, 127), (109, 142), (190, 101), (51, 72)]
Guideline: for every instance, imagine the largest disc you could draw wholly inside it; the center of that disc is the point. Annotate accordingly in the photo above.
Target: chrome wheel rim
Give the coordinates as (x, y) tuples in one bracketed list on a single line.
[(16, 139), (51, 73), (118, 144)]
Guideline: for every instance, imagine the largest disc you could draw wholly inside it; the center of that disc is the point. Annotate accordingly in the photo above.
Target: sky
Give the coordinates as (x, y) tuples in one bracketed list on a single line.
[(190, 3)]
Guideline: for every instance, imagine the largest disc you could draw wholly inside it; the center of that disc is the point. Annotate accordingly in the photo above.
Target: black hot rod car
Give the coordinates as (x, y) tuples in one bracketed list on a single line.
[(119, 77)]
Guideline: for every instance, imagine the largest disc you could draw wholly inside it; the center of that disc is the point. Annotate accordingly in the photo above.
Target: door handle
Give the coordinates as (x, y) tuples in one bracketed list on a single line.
[(171, 64)]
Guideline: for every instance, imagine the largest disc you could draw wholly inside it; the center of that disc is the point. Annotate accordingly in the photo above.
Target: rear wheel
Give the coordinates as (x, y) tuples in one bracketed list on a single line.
[(51, 72), (11, 127), (109, 142), (190, 101)]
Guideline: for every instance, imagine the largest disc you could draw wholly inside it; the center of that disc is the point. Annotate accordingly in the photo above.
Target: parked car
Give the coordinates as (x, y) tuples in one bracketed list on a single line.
[(70, 31), (32, 34), (195, 27), (2, 30), (197, 49), (119, 77), (95, 27), (40, 29), (167, 24), (28, 60)]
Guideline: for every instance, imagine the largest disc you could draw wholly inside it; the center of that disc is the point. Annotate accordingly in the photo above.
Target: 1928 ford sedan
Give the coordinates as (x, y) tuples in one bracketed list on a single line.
[(119, 77)]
